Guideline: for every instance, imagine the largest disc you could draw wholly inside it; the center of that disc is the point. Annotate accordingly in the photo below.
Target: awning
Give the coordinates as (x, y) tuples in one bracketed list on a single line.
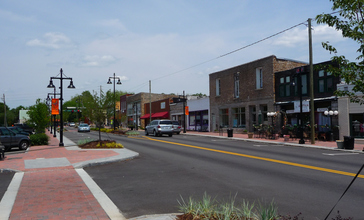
[(145, 116), (160, 115)]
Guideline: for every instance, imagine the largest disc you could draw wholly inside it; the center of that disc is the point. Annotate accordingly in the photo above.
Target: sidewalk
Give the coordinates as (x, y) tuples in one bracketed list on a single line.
[(50, 183), (291, 142)]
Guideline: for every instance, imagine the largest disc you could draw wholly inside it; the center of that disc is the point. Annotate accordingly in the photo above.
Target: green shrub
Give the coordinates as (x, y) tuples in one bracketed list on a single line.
[(39, 139)]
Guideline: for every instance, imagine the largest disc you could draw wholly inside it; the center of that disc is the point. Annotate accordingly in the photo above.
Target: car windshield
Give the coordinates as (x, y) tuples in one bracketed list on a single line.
[(175, 123), (166, 122), (83, 125)]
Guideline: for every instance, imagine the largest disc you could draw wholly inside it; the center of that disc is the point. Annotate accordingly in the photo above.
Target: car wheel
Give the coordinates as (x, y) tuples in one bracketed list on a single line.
[(23, 145), (155, 133), (178, 132), (146, 133), (170, 135)]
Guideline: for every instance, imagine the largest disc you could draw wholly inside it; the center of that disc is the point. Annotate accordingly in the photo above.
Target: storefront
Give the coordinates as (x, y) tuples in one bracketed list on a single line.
[(198, 120)]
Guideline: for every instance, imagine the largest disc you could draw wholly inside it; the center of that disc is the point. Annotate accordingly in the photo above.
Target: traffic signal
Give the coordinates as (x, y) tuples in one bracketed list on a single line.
[(72, 111)]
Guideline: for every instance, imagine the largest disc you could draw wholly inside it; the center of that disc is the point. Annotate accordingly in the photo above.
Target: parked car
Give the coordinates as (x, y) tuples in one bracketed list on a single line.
[(72, 124), (176, 127), (25, 128), (18, 130), (159, 127), (9, 139), (83, 128)]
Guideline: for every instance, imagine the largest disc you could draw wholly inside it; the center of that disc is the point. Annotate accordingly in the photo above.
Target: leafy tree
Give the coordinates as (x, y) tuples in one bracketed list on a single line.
[(39, 116), (95, 108), (351, 23)]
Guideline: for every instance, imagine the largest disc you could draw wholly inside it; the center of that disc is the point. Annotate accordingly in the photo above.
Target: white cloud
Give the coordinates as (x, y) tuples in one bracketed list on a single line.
[(96, 61), (112, 23), (297, 36), (51, 40), (8, 15)]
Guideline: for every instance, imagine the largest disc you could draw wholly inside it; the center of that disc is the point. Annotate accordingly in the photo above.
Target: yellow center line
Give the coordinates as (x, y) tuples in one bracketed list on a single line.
[(264, 159)]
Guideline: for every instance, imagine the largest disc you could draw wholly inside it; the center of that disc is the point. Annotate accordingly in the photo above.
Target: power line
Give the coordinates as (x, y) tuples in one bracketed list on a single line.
[(226, 54)]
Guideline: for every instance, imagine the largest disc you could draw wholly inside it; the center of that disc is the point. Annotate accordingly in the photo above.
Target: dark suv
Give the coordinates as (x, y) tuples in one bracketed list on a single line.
[(159, 127), (25, 128), (9, 139)]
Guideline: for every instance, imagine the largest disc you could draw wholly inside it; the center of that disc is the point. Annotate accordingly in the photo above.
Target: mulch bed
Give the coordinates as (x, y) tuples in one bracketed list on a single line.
[(93, 144)]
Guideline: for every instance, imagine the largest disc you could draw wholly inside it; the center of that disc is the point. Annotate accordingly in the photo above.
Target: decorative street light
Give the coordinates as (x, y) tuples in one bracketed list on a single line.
[(119, 83), (52, 115), (71, 86), (299, 82), (272, 114), (330, 114)]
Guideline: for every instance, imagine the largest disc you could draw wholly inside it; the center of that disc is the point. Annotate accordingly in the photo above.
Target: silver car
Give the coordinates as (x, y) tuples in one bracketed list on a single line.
[(176, 127), (159, 127), (83, 128)]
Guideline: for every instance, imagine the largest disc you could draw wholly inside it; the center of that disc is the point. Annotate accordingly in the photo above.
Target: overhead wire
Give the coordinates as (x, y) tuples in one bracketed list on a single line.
[(223, 55)]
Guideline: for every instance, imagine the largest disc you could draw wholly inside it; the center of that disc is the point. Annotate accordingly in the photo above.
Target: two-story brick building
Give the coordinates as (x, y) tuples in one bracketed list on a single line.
[(135, 107), (241, 96)]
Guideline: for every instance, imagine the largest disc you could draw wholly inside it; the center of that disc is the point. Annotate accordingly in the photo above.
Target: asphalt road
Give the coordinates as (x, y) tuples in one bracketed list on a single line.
[(298, 179)]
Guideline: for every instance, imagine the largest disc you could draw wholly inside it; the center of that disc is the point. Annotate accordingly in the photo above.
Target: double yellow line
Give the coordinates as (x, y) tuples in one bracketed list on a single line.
[(263, 158)]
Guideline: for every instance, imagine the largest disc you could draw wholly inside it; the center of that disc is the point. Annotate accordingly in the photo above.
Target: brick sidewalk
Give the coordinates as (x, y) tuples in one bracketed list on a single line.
[(50, 187)]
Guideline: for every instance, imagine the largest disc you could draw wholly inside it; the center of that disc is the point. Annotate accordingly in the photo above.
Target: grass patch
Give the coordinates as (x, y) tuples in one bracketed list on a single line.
[(209, 208)]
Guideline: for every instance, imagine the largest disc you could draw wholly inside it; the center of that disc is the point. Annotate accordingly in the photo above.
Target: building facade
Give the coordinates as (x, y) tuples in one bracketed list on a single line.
[(135, 107), (241, 96), (288, 98), (351, 116)]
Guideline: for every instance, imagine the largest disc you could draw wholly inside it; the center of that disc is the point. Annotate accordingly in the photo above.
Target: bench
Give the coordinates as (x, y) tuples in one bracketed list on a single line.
[(2, 152)]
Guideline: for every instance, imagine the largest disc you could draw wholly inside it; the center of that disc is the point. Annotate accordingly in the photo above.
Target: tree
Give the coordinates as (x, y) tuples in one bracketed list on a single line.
[(351, 23), (39, 116), (95, 108)]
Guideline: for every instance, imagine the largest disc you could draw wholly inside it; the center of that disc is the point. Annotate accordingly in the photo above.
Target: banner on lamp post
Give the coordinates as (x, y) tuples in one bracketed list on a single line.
[(55, 106)]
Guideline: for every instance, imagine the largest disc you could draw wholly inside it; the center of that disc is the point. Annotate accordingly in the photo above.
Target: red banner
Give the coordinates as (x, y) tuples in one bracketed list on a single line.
[(55, 106)]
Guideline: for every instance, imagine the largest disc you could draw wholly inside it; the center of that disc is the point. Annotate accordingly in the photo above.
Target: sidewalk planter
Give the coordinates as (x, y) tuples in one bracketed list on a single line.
[(340, 144), (250, 135), (286, 137)]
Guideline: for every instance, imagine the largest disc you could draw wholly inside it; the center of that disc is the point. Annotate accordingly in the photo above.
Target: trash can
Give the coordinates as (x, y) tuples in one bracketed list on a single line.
[(230, 132), (348, 142)]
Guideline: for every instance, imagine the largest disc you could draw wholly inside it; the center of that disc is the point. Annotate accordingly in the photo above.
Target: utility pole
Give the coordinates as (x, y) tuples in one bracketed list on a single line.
[(5, 122), (184, 113), (150, 101), (312, 104)]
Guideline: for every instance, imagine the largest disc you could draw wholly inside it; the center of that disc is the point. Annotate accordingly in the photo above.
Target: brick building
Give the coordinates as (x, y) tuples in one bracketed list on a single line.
[(241, 96), (135, 107)]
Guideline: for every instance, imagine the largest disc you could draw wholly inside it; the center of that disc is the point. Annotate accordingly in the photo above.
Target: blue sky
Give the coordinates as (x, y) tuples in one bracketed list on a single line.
[(167, 42)]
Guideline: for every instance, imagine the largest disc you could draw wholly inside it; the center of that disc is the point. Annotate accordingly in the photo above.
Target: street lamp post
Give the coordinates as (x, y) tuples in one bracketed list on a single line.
[(272, 114), (53, 116), (71, 86), (119, 83), (330, 114), (299, 82)]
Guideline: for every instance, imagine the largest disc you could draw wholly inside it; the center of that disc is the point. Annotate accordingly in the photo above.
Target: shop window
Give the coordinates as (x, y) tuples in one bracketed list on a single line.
[(325, 82), (304, 81), (259, 78), (224, 117), (236, 85), (285, 86), (357, 125), (238, 116), (218, 87)]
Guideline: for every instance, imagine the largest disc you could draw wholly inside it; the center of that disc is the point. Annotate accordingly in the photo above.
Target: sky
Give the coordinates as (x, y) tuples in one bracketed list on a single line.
[(174, 44)]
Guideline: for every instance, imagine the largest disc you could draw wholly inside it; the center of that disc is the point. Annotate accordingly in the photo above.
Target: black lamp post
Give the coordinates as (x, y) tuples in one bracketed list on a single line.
[(299, 82), (53, 116), (71, 86), (119, 83)]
